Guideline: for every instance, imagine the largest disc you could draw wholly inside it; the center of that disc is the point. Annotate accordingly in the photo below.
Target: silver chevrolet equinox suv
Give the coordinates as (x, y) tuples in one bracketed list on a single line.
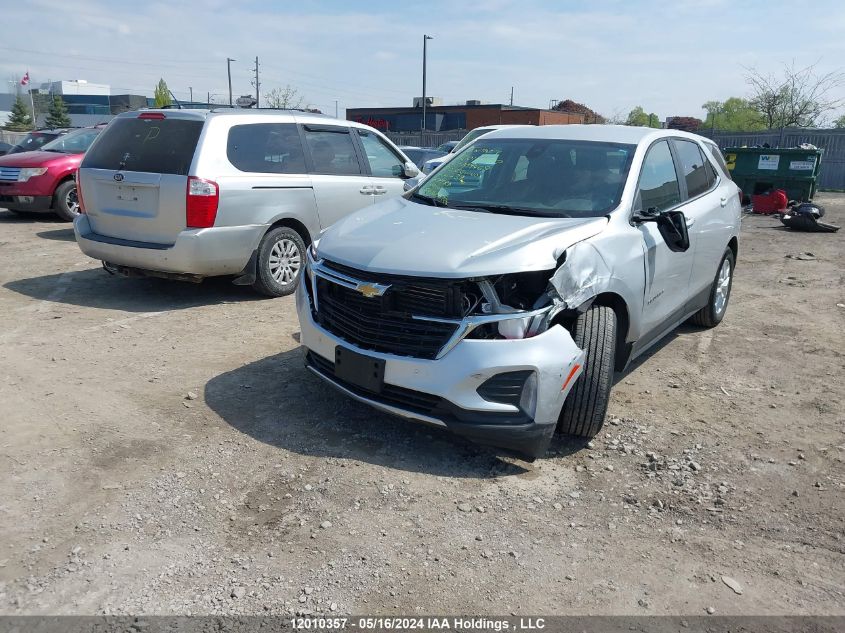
[(499, 297), (189, 194)]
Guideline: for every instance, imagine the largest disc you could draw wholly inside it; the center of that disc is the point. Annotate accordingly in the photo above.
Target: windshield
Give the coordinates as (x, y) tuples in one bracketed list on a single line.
[(76, 142), (32, 142), (540, 177)]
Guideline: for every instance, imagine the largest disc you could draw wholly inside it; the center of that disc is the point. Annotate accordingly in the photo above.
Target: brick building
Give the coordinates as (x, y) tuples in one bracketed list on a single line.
[(440, 118)]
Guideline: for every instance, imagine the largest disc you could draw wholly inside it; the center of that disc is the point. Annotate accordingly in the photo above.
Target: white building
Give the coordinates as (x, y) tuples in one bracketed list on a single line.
[(76, 87)]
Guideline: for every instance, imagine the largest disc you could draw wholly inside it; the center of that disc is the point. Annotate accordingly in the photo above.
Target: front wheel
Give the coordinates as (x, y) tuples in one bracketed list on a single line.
[(66, 201), (281, 256), (720, 292), (586, 405)]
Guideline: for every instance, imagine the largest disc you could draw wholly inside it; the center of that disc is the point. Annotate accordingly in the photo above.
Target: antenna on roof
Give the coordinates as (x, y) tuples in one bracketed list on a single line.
[(175, 100)]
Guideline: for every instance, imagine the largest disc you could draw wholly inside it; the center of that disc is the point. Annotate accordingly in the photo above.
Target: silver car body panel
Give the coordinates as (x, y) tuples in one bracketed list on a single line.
[(140, 221)]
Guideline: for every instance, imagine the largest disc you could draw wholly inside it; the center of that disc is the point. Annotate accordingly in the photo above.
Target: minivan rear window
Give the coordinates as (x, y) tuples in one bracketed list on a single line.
[(160, 146)]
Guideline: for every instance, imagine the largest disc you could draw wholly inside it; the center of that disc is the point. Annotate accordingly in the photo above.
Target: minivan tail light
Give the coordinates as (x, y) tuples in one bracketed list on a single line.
[(79, 192), (151, 115), (201, 203)]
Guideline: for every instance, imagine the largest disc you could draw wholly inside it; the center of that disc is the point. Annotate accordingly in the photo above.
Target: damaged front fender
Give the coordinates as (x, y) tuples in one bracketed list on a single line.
[(583, 275)]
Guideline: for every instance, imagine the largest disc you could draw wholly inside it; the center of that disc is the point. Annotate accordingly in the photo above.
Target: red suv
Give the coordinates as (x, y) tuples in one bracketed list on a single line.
[(43, 180)]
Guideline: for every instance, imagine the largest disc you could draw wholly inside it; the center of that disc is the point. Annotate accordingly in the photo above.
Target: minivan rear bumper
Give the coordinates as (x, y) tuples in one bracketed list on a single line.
[(223, 250), (445, 392)]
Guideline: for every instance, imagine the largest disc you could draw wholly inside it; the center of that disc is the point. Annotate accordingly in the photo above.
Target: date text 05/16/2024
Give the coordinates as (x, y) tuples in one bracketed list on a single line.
[(399, 623)]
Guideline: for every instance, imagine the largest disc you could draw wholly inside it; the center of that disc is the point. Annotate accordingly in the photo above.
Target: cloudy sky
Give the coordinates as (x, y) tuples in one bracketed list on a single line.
[(669, 57)]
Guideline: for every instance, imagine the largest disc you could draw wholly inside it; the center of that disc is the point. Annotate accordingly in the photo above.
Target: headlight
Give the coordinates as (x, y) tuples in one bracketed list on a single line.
[(28, 172)]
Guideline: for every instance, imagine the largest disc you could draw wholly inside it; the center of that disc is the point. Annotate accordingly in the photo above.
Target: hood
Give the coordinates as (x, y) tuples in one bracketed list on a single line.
[(406, 238), (35, 159)]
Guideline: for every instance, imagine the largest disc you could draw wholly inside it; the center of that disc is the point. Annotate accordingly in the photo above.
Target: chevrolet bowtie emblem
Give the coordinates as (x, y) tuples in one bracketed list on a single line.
[(371, 290)]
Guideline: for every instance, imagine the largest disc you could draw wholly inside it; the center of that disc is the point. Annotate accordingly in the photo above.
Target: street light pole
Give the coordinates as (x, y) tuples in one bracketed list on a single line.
[(425, 50), (229, 61)]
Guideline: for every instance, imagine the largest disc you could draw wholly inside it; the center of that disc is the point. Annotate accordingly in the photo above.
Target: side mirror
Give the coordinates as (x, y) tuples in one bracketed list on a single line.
[(409, 170), (671, 224), (410, 183)]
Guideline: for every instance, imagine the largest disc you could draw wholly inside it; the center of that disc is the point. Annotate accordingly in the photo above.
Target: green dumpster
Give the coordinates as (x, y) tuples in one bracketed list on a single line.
[(758, 170)]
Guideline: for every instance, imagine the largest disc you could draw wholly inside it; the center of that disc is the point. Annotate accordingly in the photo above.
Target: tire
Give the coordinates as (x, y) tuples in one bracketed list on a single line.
[(65, 201), (584, 409), (720, 293), (281, 258)]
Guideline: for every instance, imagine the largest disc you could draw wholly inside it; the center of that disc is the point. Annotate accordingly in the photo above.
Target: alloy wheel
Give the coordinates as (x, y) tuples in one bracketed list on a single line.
[(285, 261)]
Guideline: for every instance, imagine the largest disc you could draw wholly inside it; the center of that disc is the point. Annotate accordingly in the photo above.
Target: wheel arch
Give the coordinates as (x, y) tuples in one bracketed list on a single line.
[(623, 324), (292, 223)]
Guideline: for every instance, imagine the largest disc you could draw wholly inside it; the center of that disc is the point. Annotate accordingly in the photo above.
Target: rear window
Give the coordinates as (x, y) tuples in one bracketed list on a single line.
[(694, 167), (716, 153), (159, 146), (266, 148)]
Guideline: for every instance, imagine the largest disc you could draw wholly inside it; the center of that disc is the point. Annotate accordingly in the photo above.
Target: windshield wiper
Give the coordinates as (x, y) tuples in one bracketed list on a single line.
[(433, 202), (508, 210)]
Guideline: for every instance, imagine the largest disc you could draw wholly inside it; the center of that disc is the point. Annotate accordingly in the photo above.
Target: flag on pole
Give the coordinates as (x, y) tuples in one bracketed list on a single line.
[(25, 79)]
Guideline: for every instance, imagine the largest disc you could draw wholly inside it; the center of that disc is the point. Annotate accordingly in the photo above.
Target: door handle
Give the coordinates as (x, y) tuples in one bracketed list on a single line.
[(723, 201), (367, 190), (380, 191)]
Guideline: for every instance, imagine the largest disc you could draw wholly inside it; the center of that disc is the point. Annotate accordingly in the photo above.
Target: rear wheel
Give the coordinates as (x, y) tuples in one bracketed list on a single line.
[(585, 407), (281, 255), (65, 201), (720, 292)]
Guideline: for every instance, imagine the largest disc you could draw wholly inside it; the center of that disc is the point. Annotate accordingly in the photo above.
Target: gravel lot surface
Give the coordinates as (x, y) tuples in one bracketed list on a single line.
[(164, 451)]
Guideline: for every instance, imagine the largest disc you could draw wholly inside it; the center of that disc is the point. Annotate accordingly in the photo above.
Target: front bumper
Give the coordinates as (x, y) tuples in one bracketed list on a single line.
[(25, 202), (199, 252), (443, 392)]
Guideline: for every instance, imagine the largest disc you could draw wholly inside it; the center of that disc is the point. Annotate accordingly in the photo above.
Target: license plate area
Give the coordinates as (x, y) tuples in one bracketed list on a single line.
[(357, 369)]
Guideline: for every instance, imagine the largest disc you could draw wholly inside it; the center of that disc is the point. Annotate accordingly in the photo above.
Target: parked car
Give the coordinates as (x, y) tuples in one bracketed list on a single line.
[(447, 147), (432, 164), (5, 147), (43, 180), (421, 154), (37, 139), (501, 310), (189, 194)]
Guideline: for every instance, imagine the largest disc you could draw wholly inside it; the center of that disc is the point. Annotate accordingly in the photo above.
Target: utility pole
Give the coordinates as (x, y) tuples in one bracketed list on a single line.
[(229, 61), (511, 95), (335, 108), (192, 92), (257, 84), (425, 46), (208, 100)]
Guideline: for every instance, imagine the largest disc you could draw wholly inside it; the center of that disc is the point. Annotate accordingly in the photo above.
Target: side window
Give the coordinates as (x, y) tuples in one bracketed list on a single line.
[(383, 162), (266, 148), (699, 178), (659, 186), (716, 153), (333, 153)]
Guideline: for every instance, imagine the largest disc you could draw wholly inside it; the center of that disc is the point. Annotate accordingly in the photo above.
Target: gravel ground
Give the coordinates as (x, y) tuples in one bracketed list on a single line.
[(166, 452)]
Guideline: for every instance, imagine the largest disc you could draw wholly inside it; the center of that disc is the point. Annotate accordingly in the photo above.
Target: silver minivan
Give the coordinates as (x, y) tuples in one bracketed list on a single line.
[(189, 194)]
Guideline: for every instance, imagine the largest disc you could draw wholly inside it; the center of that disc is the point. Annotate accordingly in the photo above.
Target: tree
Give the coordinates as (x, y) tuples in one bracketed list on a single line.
[(589, 115), (20, 119), (840, 122), (637, 116), (733, 115), (57, 115), (800, 97), (162, 94), (287, 98), (685, 123)]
